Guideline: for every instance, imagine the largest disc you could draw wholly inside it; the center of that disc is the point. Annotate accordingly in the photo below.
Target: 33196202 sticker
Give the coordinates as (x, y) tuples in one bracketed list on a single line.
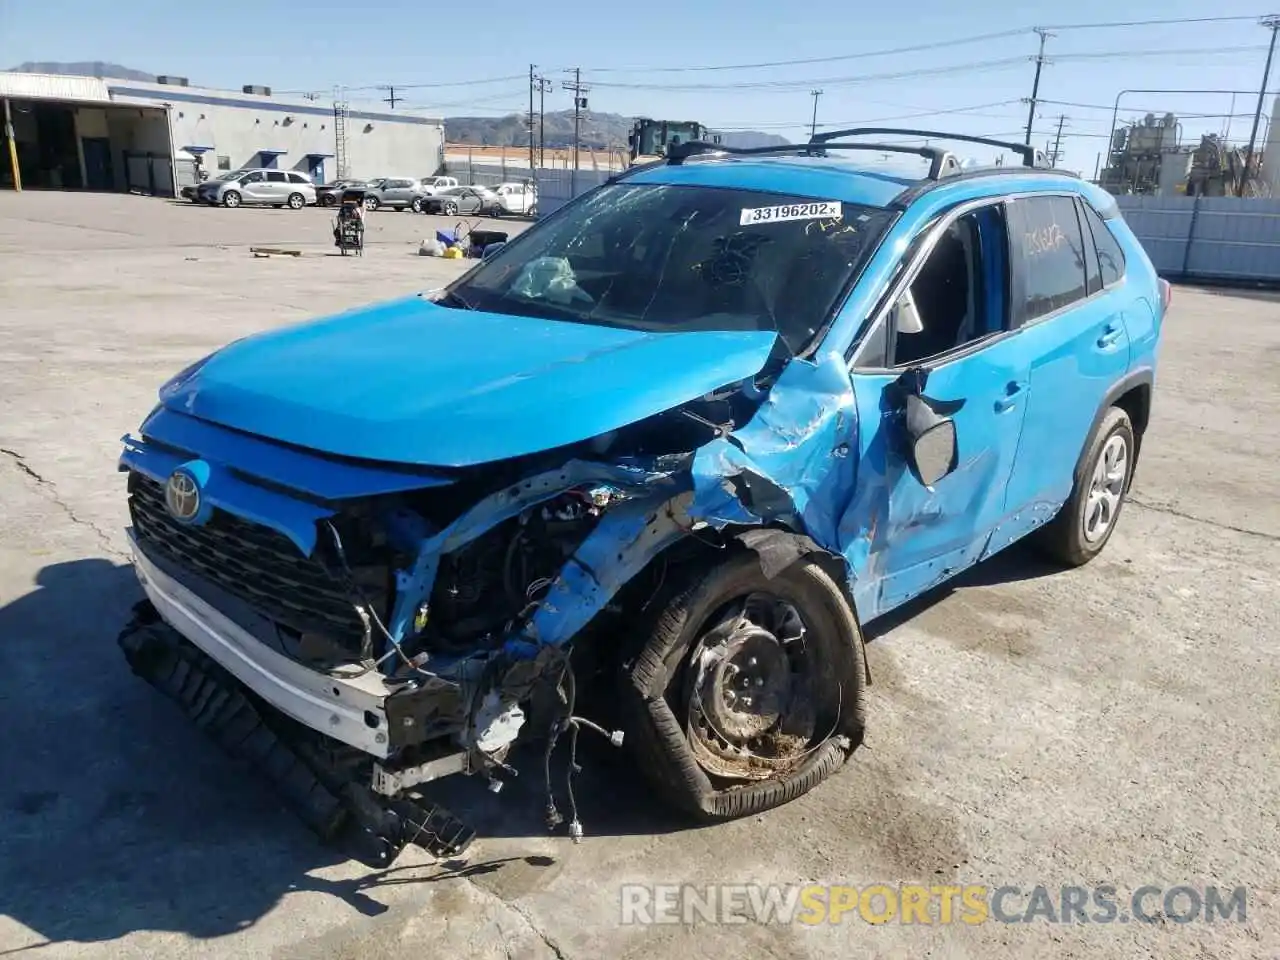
[(815, 210)]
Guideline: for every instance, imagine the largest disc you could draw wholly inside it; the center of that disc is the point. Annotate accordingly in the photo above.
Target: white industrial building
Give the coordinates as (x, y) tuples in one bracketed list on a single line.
[(105, 134)]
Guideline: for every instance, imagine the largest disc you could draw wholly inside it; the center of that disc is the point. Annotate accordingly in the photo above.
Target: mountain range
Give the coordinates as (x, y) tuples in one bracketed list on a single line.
[(598, 131)]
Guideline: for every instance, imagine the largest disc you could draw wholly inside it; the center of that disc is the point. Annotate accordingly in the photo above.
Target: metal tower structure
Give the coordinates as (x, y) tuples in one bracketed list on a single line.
[(341, 116)]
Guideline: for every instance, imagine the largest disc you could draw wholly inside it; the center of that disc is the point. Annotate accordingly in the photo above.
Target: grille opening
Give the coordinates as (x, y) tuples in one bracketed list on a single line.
[(258, 565)]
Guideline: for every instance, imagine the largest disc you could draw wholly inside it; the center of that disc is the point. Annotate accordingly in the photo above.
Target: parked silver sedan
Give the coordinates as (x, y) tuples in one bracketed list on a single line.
[(261, 186), (469, 200)]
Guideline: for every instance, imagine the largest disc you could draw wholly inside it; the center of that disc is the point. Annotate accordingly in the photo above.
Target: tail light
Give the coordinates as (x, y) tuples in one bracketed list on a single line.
[(1166, 297)]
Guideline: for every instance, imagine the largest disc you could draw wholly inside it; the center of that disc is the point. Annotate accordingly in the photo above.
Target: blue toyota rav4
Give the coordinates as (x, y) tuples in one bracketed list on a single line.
[(678, 442)]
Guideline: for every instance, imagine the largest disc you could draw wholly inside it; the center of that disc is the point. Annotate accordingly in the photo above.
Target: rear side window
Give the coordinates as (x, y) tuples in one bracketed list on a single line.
[(1046, 234), (1110, 256), (275, 178), (297, 178)]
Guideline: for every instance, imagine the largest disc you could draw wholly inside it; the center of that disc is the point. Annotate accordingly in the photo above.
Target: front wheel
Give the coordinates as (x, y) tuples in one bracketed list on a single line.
[(416, 206), (231, 198), (371, 203), (1086, 521), (297, 201), (749, 690)]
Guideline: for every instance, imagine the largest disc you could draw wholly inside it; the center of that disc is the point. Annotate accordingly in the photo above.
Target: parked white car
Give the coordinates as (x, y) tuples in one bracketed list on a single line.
[(519, 198), (433, 185)]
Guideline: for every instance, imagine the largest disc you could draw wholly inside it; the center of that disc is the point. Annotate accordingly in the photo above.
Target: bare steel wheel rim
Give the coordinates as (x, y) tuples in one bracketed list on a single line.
[(1106, 488), (751, 709)]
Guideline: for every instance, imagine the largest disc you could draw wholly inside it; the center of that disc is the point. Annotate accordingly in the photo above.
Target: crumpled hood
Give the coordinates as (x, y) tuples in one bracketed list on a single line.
[(412, 382)]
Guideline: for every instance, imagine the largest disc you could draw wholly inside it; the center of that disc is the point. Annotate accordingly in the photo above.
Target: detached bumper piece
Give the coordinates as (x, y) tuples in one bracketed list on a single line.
[(324, 782)]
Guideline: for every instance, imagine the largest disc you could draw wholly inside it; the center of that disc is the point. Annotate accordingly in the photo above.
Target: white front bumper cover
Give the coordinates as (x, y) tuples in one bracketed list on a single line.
[(350, 710)]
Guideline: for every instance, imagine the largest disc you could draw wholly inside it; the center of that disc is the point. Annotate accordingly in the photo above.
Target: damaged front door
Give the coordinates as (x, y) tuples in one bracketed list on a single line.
[(944, 341)]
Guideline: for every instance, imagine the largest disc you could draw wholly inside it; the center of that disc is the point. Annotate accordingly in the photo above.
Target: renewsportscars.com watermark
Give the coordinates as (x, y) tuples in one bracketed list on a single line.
[(971, 904)]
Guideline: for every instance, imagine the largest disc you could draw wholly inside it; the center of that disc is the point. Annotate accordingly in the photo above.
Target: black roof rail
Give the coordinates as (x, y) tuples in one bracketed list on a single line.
[(1024, 150), (678, 153), (819, 144)]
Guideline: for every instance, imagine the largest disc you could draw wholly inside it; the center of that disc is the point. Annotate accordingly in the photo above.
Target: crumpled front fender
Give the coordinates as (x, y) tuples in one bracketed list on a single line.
[(794, 462)]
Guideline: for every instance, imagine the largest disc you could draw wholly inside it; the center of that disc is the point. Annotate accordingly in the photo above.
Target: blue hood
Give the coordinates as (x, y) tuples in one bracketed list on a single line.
[(413, 382)]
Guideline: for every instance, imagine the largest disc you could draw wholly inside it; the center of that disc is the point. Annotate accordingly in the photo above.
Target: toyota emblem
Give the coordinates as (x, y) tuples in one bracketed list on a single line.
[(182, 496)]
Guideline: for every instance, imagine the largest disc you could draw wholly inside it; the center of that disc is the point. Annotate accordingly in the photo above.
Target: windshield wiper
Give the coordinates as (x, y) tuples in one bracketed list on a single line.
[(455, 299)]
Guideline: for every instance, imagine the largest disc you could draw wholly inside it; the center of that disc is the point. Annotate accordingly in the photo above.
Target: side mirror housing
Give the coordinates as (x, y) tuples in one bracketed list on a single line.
[(933, 450), (933, 453)]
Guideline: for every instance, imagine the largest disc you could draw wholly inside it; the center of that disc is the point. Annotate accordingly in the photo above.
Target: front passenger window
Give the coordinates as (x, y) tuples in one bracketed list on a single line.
[(959, 294)]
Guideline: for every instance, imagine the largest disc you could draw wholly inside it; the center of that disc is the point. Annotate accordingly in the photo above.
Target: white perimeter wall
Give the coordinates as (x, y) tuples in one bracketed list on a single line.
[(237, 126)]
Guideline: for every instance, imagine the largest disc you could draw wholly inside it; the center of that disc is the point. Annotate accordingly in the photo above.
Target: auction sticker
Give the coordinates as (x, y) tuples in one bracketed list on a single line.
[(817, 210)]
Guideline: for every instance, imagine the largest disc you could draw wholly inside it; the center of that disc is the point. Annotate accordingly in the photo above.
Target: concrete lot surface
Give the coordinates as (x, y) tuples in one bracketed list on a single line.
[(1117, 724)]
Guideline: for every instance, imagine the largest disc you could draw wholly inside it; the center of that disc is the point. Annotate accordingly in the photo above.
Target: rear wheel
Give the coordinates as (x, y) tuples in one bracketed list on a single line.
[(749, 689), (450, 209), (231, 198), (297, 201), (1086, 521)]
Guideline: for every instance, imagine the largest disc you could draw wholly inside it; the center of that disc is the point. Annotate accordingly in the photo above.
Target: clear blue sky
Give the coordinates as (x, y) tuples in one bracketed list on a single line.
[(627, 52)]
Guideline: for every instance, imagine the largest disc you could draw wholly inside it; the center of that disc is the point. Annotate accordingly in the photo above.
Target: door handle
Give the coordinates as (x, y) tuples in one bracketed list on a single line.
[(1110, 334), (1012, 392)]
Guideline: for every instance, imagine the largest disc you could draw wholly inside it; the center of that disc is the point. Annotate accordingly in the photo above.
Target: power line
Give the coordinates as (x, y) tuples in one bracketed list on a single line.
[(726, 125), (807, 61), (1148, 23), (851, 80), (835, 81), (923, 47), (444, 83), (1108, 106), (1185, 52)]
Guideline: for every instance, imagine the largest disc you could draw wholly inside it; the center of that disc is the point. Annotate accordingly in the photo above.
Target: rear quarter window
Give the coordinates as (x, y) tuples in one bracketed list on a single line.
[(1110, 256)]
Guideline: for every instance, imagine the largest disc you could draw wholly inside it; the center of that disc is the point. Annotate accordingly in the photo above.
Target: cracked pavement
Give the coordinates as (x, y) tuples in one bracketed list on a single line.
[(1115, 724)]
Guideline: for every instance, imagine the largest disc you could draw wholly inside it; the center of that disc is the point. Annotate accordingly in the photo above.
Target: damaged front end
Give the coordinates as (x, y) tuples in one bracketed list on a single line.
[(382, 641)]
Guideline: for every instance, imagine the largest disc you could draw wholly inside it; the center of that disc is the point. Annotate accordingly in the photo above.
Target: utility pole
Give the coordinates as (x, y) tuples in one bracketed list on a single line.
[(1035, 84), (813, 126), (579, 104), (13, 146), (531, 164), (391, 98), (543, 86), (1273, 24), (1056, 153)]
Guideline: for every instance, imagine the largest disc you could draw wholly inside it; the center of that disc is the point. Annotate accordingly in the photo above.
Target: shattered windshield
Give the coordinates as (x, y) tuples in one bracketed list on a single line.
[(661, 257)]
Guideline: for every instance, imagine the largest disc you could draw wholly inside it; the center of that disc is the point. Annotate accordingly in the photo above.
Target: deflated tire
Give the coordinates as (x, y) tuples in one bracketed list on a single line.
[(749, 690)]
